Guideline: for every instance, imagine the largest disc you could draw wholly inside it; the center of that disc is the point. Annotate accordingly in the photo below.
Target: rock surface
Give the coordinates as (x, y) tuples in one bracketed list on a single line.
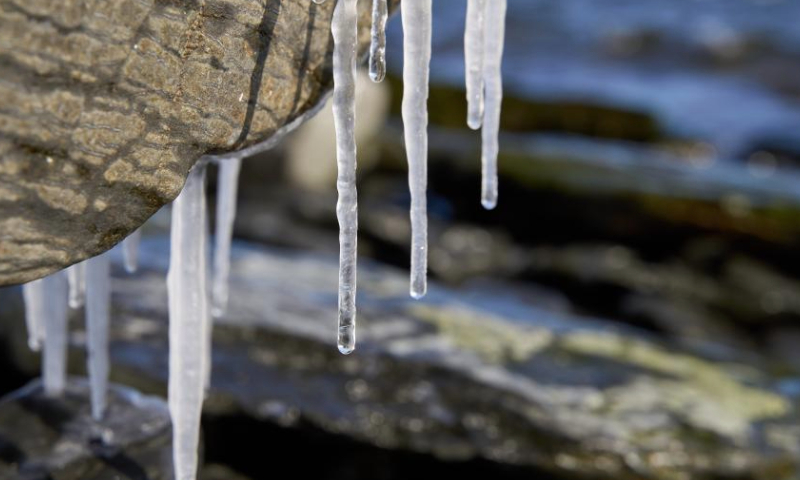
[(475, 373), (45, 438), (107, 105)]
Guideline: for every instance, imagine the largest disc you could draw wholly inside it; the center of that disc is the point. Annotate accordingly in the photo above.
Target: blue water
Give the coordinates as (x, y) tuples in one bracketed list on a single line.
[(691, 79)]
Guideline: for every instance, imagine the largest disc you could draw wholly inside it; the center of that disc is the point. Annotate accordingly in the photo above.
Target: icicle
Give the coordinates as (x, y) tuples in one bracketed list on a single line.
[(34, 294), (98, 303), (416, 16), (188, 321), (130, 251), (226, 212), (76, 275), (494, 33), (473, 61), (377, 47), (52, 299), (345, 35)]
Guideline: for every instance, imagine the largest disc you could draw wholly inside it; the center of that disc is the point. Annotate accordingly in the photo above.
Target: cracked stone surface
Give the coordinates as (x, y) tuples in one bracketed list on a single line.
[(106, 105)]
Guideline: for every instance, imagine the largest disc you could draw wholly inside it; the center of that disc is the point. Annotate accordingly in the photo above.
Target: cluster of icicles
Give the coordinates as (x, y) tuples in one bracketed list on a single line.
[(190, 310)]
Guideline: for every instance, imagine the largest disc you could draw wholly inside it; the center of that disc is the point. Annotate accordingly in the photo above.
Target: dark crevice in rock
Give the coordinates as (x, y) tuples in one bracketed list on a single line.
[(240, 442)]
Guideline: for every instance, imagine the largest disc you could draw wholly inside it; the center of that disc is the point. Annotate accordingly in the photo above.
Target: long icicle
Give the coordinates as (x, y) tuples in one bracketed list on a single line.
[(76, 276), (494, 37), (377, 47), (188, 324), (227, 185), (130, 251), (344, 29), (416, 16), (473, 61), (98, 305), (54, 303)]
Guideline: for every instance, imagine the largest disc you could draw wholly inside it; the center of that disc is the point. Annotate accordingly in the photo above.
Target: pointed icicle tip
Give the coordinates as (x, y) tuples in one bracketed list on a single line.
[(347, 339), (418, 294)]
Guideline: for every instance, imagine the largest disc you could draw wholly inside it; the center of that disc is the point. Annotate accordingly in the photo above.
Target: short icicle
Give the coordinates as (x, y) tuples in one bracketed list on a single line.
[(188, 321), (47, 300), (227, 183), (377, 47), (494, 33), (76, 276), (130, 251), (98, 305), (34, 294), (345, 34), (416, 16), (473, 61)]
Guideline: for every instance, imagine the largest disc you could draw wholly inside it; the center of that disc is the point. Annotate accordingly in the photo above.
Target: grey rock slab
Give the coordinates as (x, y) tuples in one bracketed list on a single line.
[(465, 374), (57, 439), (105, 106)]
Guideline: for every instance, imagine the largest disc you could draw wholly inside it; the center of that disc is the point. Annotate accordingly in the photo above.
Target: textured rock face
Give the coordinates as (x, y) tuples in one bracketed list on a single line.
[(475, 373), (47, 438), (106, 105)]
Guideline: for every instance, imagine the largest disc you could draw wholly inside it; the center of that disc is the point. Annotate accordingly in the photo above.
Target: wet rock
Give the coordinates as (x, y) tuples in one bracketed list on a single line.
[(56, 438), (465, 374), (219, 472), (106, 107)]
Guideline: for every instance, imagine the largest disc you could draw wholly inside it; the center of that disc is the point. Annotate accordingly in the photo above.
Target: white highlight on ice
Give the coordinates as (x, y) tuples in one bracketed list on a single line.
[(416, 16), (76, 275), (473, 61), (345, 39), (98, 306), (494, 38), (130, 251), (189, 323), (227, 186), (377, 47)]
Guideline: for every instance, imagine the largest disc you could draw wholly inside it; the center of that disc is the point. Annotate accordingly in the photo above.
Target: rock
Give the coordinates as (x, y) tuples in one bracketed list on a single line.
[(462, 375), (106, 106), (219, 472), (56, 438)]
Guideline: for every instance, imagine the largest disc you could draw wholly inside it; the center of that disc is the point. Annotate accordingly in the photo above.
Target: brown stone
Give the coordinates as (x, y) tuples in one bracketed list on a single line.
[(106, 105)]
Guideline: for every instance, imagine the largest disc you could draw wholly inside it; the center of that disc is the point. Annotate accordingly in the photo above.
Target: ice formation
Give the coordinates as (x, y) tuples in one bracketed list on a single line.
[(377, 47), (76, 275), (494, 33), (34, 294), (473, 61), (98, 306), (54, 363), (130, 251), (344, 28), (189, 322), (46, 317), (416, 16), (227, 183)]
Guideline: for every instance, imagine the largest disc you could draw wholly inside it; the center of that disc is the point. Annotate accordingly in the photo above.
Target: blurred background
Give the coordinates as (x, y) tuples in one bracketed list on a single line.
[(631, 309)]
